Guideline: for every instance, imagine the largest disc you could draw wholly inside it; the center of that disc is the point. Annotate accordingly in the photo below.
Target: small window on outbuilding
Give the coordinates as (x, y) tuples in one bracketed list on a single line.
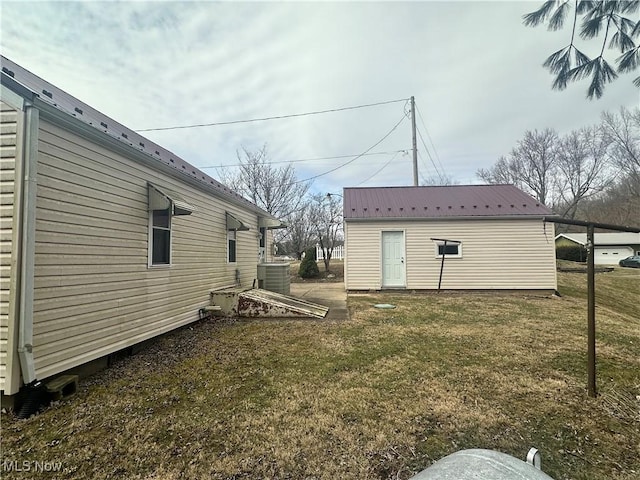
[(449, 250)]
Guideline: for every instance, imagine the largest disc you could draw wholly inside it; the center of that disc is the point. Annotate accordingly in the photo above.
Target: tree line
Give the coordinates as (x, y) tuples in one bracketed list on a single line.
[(592, 173)]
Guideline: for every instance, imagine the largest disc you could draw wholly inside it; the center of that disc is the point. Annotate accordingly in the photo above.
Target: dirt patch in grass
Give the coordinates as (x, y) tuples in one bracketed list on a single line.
[(382, 395)]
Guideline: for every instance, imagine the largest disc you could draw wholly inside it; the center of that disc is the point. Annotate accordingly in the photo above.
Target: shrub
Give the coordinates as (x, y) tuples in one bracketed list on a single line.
[(573, 253), (308, 266)]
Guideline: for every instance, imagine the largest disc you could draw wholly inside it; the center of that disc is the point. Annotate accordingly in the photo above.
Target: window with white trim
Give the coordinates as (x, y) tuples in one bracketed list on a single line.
[(448, 250), (160, 237), (163, 206), (231, 246)]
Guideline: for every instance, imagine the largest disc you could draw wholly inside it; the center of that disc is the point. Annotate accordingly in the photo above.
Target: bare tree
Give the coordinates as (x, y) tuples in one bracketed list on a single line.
[(583, 168), (438, 180), (300, 232), (617, 205), (275, 189), (616, 20), (326, 217), (531, 165), (623, 131)]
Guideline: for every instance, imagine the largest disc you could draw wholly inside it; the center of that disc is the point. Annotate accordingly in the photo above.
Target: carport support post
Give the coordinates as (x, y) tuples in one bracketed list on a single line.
[(591, 314), (591, 289)]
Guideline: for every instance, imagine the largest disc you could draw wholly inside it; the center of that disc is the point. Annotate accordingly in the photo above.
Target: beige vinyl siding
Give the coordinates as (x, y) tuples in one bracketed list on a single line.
[(496, 254), (94, 293), (8, 253)]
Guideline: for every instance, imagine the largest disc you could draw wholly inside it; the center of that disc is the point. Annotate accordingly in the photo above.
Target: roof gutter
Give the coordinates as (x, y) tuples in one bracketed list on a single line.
[(28, 243)]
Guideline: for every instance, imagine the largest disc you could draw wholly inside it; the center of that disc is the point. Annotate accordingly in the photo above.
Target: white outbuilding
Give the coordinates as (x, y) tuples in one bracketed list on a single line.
[(492, 237)]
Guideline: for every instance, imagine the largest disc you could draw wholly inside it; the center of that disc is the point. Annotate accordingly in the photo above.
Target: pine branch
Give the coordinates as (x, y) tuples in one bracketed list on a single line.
[(621, 41), (561, 64), (556, 22), (630, 6), (629, 61), (534, 19), (569, 64), (602, 74), (591, 27)]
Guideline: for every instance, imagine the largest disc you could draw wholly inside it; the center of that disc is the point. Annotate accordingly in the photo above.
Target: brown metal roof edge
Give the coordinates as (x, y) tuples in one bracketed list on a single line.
[(387, 187), (532, 216)]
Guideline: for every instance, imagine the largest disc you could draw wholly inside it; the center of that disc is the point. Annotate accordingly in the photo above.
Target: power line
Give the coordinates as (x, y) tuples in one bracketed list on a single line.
[(357, 157), (424, 162), (430, 157), (435, 151), (382, 168), (278, 117), (306, 159)]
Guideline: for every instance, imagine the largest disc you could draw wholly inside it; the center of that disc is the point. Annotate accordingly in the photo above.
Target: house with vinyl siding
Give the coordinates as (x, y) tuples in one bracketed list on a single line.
[(492, 237), (107, 239)]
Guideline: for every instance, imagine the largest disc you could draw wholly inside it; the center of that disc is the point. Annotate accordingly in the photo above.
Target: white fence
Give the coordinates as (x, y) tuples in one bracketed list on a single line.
[(338, 252)]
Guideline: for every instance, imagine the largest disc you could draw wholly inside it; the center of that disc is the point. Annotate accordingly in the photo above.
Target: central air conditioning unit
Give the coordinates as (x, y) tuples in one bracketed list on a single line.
[(274, 277)]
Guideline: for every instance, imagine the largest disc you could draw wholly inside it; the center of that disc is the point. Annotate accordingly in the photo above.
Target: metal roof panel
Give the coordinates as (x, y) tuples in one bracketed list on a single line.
[(439, 202)]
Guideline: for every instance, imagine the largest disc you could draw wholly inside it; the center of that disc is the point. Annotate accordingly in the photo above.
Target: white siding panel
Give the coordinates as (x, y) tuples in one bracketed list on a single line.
[(8, 142), (496, 254), (94, 293)]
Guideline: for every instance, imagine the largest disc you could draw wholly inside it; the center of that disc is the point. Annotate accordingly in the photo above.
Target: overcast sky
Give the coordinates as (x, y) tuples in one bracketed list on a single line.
[(473, 68)]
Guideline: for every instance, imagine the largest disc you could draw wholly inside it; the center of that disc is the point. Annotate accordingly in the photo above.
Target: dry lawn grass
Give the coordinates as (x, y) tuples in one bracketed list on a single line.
[(380, 396)]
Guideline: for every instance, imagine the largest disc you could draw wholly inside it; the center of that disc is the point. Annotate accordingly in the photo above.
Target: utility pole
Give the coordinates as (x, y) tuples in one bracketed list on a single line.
[(415, 145)]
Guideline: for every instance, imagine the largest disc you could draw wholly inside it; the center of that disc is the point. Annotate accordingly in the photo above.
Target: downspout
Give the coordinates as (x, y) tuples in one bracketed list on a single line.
[(27, 261)]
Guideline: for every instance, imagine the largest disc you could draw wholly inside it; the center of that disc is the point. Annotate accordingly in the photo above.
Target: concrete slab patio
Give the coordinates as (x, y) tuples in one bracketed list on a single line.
[(330, 294)]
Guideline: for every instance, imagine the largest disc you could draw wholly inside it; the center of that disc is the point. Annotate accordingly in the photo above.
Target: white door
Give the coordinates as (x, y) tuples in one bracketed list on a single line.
[(393, 270)]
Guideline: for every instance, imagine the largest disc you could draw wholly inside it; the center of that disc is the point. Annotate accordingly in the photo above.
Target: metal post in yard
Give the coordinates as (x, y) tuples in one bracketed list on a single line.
[(444, 252), (591, 314)]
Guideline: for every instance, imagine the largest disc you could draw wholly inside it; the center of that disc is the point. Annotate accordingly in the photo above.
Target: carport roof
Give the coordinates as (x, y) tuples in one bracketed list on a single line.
[(440, 202)]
